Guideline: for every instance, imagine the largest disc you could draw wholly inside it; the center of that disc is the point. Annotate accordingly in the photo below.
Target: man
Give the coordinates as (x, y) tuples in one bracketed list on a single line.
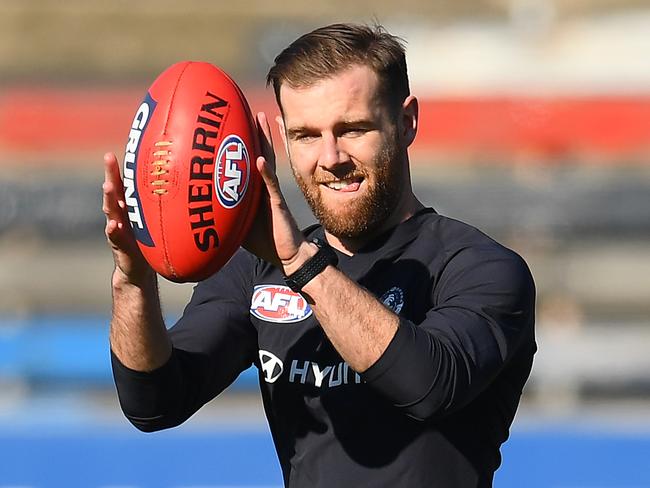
[(406, 336)]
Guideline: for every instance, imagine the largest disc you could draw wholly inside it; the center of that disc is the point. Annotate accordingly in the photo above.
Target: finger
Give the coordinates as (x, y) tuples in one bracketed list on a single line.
[(110, 202), (113, 187), (120, 237), (266, 140), (271, 182), (111, 167), (113, 234), (112, 173)]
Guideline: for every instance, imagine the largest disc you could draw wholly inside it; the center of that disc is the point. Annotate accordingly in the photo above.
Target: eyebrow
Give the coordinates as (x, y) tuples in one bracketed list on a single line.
[(300, 130)]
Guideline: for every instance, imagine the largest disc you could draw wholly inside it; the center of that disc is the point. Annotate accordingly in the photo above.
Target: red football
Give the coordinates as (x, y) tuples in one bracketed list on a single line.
[(190, 180)]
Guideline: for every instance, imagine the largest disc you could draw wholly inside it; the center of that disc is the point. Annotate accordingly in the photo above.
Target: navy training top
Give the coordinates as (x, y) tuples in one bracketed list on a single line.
[(432, 411)]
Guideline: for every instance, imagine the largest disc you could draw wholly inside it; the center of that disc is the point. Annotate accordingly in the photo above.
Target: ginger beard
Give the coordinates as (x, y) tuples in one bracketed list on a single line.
[(366, 213)]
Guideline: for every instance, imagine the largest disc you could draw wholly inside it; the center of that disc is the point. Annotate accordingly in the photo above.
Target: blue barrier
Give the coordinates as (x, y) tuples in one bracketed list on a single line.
[(66, 349), (567, 457), (100, 458), (38, 453), (546, 457)]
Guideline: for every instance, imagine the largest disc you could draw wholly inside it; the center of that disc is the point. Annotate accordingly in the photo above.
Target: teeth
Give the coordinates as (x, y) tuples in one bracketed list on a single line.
[(338, 185)]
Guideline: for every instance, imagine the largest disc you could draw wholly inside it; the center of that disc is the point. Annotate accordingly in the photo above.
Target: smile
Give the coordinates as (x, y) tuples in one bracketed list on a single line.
[(349, 185)]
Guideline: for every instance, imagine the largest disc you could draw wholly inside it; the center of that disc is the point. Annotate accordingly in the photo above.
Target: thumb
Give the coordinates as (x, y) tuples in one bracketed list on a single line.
[(266, 140), (270, 178)]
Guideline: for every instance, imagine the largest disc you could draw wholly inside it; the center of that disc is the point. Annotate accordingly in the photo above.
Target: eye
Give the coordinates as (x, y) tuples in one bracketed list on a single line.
[(354, 131), (304, 137)]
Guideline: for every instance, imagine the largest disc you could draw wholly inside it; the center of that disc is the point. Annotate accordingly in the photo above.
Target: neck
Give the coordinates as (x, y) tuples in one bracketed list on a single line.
[(403, 212)]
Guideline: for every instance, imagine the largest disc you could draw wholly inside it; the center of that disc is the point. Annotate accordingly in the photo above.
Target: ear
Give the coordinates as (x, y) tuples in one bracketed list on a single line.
[(409, 120), (283, 133)]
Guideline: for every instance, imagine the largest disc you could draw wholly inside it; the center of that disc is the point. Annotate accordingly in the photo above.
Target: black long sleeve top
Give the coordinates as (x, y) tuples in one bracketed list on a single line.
[(432, 411)]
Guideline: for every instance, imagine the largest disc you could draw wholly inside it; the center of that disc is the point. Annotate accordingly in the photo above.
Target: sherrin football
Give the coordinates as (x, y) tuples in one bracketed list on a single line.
[(190, 180)]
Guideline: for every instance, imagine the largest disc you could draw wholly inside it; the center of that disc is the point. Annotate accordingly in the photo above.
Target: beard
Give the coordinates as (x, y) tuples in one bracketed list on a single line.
[(367, 213)]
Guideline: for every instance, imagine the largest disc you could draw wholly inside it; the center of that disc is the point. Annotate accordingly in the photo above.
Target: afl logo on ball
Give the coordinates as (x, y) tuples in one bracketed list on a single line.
[(233, 171), (277, 303)]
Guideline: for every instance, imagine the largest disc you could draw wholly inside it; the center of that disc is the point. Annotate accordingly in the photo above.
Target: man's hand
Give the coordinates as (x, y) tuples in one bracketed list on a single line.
[(130, 265), (357, 324), (275, 236), (138, 335)]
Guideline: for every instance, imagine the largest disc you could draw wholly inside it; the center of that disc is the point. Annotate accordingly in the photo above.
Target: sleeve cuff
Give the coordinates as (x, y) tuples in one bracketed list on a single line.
[(144, 396), (406, 373), (121, 371), (390, 356)]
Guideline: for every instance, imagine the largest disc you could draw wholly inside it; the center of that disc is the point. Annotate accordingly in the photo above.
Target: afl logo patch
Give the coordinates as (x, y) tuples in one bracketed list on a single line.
[(232, 172), (277, 303), (393, 299)]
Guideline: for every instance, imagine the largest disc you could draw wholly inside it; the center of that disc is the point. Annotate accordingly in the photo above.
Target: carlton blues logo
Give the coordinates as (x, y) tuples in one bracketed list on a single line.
[(393, 299), (277, 303), (233, 171)]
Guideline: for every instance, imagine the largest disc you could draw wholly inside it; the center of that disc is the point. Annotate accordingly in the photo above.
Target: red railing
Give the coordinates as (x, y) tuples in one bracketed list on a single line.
[(609, 128)]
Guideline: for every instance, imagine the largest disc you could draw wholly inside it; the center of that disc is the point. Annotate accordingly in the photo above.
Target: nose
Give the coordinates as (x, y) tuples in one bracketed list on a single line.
[(331, 153)]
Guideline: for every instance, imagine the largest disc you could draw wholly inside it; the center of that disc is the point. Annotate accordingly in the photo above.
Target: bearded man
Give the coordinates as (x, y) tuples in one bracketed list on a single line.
[(392, 343)]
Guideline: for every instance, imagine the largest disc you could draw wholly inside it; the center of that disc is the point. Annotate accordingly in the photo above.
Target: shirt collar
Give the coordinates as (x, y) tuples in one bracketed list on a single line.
[(384, 246)]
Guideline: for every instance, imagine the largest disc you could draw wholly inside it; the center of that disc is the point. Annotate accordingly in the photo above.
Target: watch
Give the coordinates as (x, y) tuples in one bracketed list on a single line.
[(313, 266)]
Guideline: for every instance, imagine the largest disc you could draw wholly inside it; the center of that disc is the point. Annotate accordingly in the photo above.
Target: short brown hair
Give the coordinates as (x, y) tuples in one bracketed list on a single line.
[(329, 50)]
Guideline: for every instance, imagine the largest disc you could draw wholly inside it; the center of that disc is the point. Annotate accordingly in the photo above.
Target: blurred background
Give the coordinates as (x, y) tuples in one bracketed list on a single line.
[(535, 127)]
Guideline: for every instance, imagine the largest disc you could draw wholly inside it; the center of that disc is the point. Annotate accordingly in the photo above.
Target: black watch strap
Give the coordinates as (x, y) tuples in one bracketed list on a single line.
[(314, 265)]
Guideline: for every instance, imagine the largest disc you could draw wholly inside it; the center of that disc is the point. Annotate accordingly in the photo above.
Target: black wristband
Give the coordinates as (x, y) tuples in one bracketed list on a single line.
[(314, 265)]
